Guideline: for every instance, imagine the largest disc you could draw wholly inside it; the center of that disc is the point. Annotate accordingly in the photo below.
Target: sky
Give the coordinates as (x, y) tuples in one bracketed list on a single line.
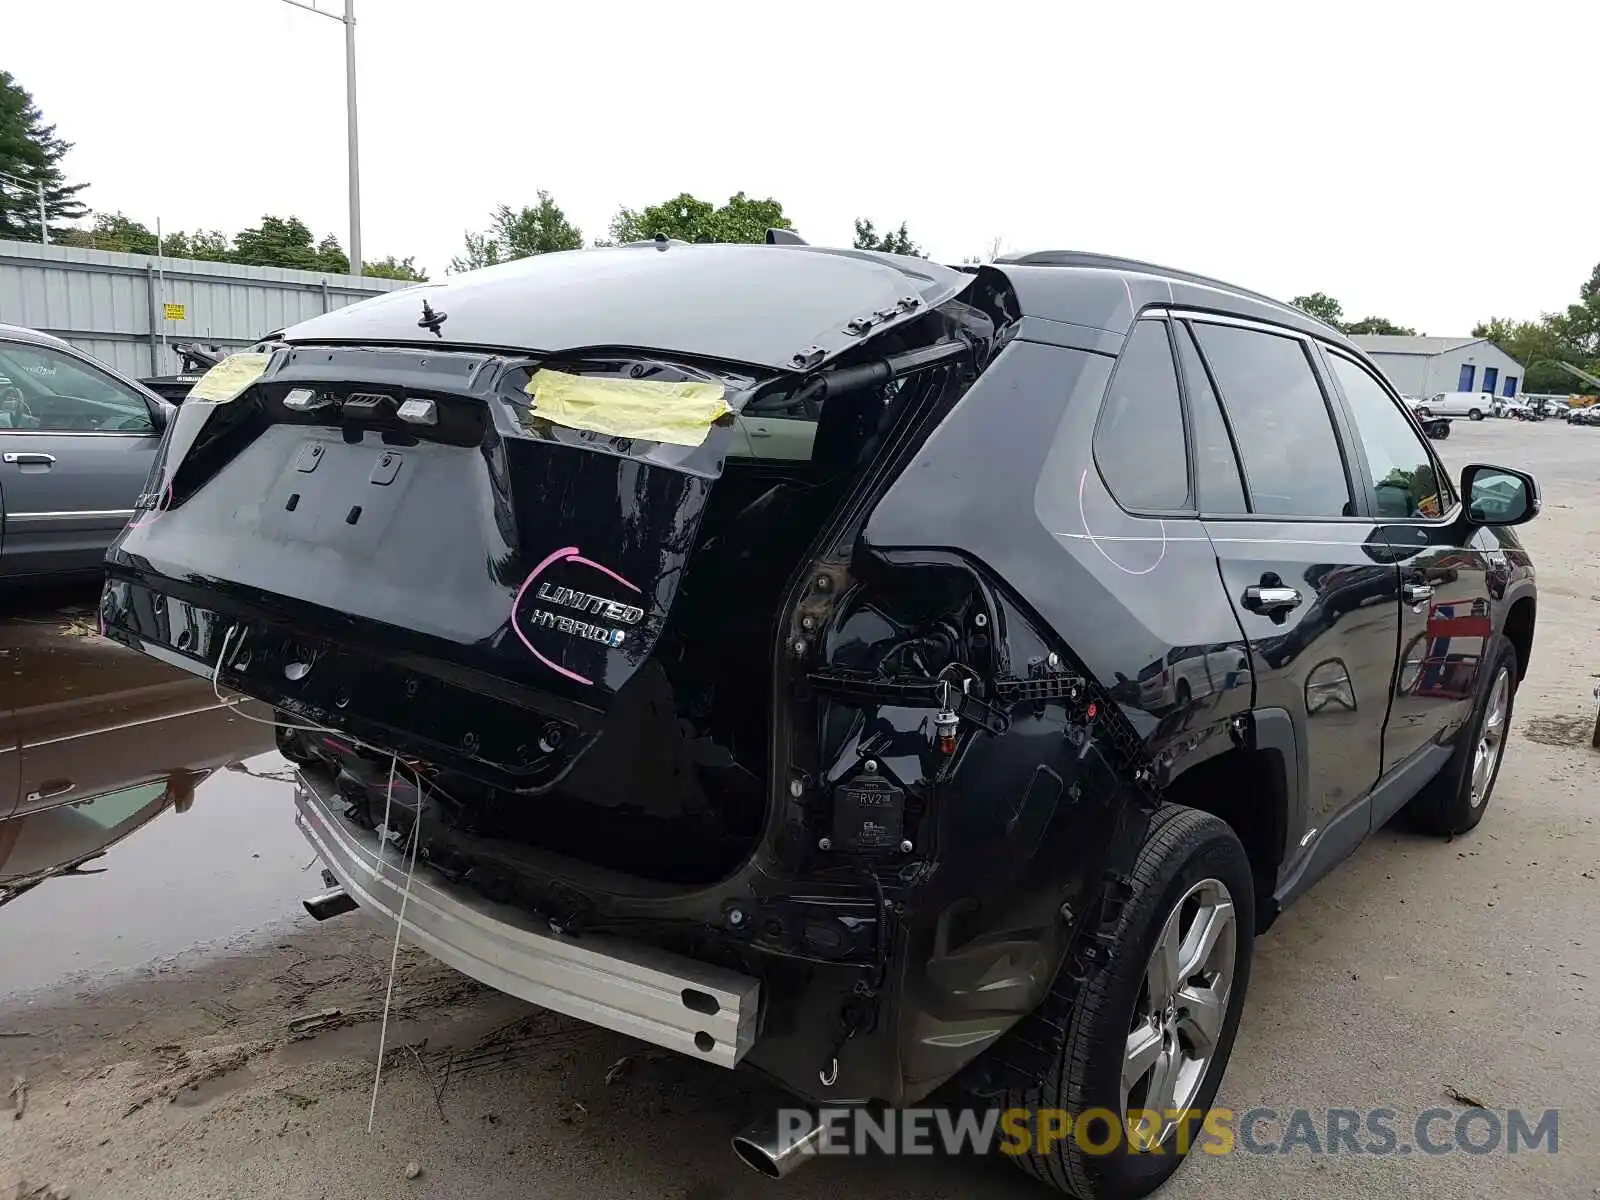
[(1426, 161)]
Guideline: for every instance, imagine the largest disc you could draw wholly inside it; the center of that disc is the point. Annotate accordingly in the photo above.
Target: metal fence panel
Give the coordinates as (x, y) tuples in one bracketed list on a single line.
[(112, 305)]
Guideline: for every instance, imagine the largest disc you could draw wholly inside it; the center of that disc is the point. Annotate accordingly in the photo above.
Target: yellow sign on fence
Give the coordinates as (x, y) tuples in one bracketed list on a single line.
[(173, 312)]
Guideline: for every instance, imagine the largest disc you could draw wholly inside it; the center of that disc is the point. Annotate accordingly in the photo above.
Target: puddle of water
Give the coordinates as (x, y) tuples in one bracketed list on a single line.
[(127, 837), (228, 868)]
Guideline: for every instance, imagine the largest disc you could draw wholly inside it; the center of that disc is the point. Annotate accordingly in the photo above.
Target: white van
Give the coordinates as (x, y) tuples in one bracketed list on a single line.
[(1476, 405)]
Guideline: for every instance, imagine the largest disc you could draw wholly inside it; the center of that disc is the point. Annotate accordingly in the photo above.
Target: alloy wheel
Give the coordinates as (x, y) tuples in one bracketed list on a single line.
[(1491, 736), (1183, 1002)]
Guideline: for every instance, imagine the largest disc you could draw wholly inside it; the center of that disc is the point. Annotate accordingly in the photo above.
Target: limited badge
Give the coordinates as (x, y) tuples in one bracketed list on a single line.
[(569, 601)]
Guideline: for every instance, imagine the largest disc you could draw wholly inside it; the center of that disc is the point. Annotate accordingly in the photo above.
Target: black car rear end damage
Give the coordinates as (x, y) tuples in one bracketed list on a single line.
[(652, 690)]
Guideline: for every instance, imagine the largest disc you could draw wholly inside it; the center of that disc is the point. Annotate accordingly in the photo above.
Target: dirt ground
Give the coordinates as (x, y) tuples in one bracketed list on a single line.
[(1419, 967)]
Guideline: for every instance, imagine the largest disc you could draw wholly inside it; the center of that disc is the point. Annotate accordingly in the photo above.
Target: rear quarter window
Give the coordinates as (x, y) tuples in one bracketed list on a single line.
[(1139, 439)]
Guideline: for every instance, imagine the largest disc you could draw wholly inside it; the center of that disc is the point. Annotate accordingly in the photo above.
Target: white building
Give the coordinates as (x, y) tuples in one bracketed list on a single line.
[(1425, 366)]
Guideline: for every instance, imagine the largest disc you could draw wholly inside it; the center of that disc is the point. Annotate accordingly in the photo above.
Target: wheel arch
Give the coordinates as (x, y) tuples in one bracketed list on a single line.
[(1256, 786), (1518, 629)]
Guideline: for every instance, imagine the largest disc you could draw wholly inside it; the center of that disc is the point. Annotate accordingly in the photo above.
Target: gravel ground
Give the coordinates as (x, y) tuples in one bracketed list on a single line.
[(1419, 967)]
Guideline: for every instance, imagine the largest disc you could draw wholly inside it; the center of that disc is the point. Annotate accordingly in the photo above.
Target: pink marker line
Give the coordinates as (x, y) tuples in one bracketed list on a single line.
[(151, 516), (565, 554)]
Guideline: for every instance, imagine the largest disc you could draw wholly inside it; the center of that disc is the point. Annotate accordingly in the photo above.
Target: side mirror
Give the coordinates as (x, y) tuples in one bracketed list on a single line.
[(1499, 495), (158, 416)]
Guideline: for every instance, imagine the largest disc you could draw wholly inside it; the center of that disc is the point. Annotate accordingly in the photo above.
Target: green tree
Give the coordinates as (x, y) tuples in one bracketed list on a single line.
[(1580, 327), (202, 245), (277, 242), (542, 229), (1321, 306), (1379, 325), (687, 219), (393, 268), (288, 242), (331, 257), (896, 241), (113, 231), (1539, 345), (31, 151)]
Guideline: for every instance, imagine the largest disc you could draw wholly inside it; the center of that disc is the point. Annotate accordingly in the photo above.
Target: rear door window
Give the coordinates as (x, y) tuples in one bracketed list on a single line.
[(1220, 485), (1139, 439), (1280, 419)]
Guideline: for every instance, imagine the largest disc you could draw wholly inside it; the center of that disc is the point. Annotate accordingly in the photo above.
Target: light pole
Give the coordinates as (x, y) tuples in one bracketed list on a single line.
[(38, 186), (349, 23)]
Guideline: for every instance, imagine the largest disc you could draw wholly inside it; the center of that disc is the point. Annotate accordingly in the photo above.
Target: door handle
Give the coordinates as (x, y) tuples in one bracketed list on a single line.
[(1260, 599), (56, 787), (758, 432), (21, 457), (1416, 593)]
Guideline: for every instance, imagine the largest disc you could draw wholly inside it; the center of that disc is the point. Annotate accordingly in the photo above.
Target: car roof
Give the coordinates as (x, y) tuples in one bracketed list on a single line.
[(18, 333), (786, 307), (1107, 292)]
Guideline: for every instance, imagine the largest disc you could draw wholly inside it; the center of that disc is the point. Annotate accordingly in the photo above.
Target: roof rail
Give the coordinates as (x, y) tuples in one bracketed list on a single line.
[(1110, 262)]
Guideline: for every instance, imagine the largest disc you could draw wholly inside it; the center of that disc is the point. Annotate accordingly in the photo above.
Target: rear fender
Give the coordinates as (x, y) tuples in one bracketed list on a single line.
[(1000, 858)]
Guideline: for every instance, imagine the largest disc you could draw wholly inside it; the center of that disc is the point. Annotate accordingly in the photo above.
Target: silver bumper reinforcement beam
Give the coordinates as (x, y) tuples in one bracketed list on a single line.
[(699, 1010)]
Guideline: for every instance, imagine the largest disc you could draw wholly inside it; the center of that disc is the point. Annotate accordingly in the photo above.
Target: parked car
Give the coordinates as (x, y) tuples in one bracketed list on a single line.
[(840, 767), (1474, 405), (1510, 407), (1584, 416), (195, 360), (77, 441)]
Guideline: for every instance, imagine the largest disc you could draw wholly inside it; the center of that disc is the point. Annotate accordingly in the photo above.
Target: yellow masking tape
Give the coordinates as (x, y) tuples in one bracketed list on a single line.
[(229, 377), (679, 413)]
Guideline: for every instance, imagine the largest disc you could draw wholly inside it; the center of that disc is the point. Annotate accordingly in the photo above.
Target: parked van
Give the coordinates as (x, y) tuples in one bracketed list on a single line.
[(1475, 405)]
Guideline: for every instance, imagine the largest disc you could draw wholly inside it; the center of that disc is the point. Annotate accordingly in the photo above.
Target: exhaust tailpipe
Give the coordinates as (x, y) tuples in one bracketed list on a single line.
[(329, 904), (777, 1148)]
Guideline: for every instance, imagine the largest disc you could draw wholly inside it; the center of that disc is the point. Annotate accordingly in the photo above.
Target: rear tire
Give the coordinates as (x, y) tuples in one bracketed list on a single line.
[(1455, 800), (1475, 414), (1193, 900)]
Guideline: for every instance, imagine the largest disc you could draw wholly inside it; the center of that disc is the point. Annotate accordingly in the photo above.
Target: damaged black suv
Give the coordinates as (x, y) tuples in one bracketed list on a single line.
[(871, 673)]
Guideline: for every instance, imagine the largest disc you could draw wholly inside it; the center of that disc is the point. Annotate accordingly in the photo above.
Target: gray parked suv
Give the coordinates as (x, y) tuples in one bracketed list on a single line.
[(77, 441)]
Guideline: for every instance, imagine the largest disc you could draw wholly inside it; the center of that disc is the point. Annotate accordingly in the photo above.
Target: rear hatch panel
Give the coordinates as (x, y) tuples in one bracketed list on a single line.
[(412, 582)]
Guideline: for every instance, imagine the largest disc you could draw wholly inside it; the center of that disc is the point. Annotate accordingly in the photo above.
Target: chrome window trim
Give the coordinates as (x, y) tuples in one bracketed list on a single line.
[(121, 433), (75, 514)]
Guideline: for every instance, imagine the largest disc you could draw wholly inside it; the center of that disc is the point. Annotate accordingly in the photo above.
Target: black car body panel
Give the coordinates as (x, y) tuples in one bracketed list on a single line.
[(780, 308), (889, 724)]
